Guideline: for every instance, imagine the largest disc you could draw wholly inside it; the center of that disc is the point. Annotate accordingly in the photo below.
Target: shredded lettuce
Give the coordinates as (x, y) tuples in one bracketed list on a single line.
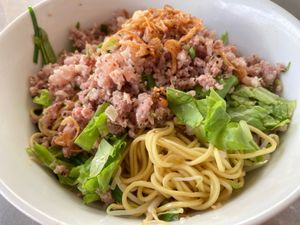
[(101, 157), (44, 99), (260, 108), (89, 198), (42, 154), (112, 163), (95, 175), (51, 158), (228, 83), (95, 128), (221, 131), (184, 106), (210, 121)]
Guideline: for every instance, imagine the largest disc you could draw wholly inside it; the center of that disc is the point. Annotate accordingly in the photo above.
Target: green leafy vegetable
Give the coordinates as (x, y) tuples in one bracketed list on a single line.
[(192, 52), (41, 42), (228, 83), (100, 45), (236, 137), (94, 129), (77, 25), (168, 217), (111, 164), (41, 153), (50, 158), (201, 92), (99, 160), (83, 174), (117, 194), (235, 185), (210, 121), (260, 108), (89, 198), (185, 107), (95, 175), (109, 44), (72, 178), (44, 99), (171, 215), (149, 80), (104, 28), (223, 133), (225, 38), (287, 68)]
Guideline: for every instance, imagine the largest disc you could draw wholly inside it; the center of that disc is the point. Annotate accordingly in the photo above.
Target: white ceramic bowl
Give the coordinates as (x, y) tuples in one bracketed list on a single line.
[(255, 26)]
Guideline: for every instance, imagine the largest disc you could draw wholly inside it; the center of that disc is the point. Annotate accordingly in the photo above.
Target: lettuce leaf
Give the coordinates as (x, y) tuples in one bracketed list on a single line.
[(210, 121), (50, 158), (112, 164), (223, 133), (260, 108), (42, 154), (96, 174), (101, 157), (228, 83), (44, 99), (184, 106), (94, 128)]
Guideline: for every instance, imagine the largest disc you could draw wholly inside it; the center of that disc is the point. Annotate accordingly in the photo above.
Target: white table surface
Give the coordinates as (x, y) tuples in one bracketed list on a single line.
[(9, 215)]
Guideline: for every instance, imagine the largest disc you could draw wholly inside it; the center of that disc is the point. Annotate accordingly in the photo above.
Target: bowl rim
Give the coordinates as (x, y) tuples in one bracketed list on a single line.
[(41, 217)]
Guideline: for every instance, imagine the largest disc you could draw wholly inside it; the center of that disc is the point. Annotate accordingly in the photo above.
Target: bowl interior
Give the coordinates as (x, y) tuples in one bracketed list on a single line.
[(255, 26)]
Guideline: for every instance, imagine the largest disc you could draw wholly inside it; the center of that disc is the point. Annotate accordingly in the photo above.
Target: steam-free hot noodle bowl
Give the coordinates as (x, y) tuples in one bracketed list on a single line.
[(153, 114)]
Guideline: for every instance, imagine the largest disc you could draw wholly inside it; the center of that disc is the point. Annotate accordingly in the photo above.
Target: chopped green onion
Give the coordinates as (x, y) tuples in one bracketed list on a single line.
[(186, 47), (168, 217), (77, 25), (192, 52), (235, 185), (104, 28), (225, 38), (107, 45), (100, 45), (41, 42), (149, 80), (117, 194), (287, 68)]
